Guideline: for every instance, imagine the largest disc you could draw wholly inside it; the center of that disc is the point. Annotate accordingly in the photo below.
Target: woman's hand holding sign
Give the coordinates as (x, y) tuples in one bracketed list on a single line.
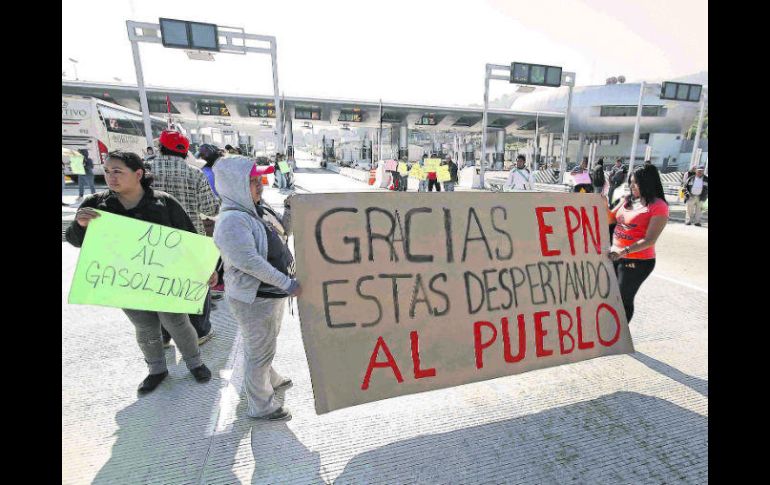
[(85, 215)]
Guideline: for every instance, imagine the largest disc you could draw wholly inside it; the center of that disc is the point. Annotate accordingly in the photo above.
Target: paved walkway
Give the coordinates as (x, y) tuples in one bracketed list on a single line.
[(639, 418)]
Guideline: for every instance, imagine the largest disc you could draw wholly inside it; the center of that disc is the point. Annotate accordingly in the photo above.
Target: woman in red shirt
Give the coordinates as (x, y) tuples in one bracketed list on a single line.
[(640, 220)]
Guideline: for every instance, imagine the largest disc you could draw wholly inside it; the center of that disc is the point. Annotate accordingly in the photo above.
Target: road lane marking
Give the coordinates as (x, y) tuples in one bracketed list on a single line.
[(679, 282)]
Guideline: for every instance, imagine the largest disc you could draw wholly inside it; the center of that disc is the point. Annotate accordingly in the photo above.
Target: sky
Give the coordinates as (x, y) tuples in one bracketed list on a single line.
[(402, 51)]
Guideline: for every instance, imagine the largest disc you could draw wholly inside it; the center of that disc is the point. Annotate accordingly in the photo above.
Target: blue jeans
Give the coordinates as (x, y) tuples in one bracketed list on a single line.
[(83, 180)]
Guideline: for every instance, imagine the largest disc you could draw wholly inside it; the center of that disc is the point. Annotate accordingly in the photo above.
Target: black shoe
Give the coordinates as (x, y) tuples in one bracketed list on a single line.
[(697, 224), (280, 414), (201, 373), (687, 223), (151, 382), (284, 385)]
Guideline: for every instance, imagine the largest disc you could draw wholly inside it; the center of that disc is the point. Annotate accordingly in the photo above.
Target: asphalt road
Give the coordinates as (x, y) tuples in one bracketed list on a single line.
[(640, 418)]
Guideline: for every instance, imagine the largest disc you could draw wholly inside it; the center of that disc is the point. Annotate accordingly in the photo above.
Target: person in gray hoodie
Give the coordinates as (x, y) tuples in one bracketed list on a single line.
[(257, 277)]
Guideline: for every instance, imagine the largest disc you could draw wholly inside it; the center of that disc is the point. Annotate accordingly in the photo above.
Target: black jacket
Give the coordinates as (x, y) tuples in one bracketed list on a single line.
[(704, 195), (598, 176), (156, 207), (617, 176), (453, 171)]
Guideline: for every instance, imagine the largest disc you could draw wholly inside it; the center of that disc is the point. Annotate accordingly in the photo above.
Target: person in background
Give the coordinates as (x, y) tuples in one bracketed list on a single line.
[(433, 182), (597, 177), (258, 274), (131, 195), (449, 186), (520, 178), (582, 178), (230, 150), (404, 178), (88, 178), (696, 192), (149, 154), (191, 188), (617, 176), (210, 154), (640, 219)]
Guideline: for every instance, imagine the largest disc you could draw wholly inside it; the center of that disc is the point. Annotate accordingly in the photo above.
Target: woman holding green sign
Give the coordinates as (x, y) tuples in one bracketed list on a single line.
[(258, 277), (130, 195)]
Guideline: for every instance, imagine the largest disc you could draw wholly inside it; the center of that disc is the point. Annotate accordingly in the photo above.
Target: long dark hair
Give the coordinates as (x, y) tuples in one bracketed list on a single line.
[(647, 178), (134, 162)]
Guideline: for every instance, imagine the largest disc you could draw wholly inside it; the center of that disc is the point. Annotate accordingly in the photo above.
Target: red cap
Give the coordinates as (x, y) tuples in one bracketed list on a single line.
[(257, 171), (174, 141)]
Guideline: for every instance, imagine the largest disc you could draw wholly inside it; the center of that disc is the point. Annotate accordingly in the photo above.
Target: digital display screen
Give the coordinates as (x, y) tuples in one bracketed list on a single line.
[(303, 113), (355, 116), (213, 109), (537, 74), (669, 91), (695, 93), (262, 110), (173, 33), (204, 36), (520, 73), (427, 119), (681, 92), (553, 76)]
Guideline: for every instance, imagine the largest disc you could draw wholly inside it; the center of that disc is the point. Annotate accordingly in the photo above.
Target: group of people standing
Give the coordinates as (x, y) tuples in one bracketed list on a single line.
[(637, 220), (400, 182), (257, 272)]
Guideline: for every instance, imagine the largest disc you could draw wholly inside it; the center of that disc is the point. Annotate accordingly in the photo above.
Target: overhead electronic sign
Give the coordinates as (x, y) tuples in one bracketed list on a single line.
[(535, 74), (680, 91), (353, 115), (262, 110), (182, 34), (428, 119), (307, 113)]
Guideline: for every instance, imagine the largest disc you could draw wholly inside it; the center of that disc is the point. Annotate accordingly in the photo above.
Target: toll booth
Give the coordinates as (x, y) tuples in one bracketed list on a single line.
[(366, 151)]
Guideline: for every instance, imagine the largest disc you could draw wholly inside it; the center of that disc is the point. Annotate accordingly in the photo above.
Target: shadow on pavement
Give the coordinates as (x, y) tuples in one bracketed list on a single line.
[(620, 438), (164, 437), (701, 386)]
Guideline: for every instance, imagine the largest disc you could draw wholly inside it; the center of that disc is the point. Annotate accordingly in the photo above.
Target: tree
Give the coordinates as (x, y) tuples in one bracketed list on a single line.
[(694, 127)]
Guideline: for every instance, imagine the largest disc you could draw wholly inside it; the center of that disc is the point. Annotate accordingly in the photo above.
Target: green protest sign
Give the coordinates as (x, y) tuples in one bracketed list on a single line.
[(417, 172), (432, 164), (76, 163), (284, 167), (128, 263), (442, 174)]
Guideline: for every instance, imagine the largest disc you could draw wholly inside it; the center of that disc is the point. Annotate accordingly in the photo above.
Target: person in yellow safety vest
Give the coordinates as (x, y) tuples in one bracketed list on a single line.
[(520, 178)]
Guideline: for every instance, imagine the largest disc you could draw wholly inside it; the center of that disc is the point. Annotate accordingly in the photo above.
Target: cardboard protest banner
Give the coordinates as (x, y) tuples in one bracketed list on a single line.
[(442, 174), (417, 172), (284, 167), (432, 164), (128, 263), (76, 164), (402, 170), (413, 292)]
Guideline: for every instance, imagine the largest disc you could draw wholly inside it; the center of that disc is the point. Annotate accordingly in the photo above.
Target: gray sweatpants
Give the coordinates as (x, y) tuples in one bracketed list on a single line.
[(147, 325), (260, 323)]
